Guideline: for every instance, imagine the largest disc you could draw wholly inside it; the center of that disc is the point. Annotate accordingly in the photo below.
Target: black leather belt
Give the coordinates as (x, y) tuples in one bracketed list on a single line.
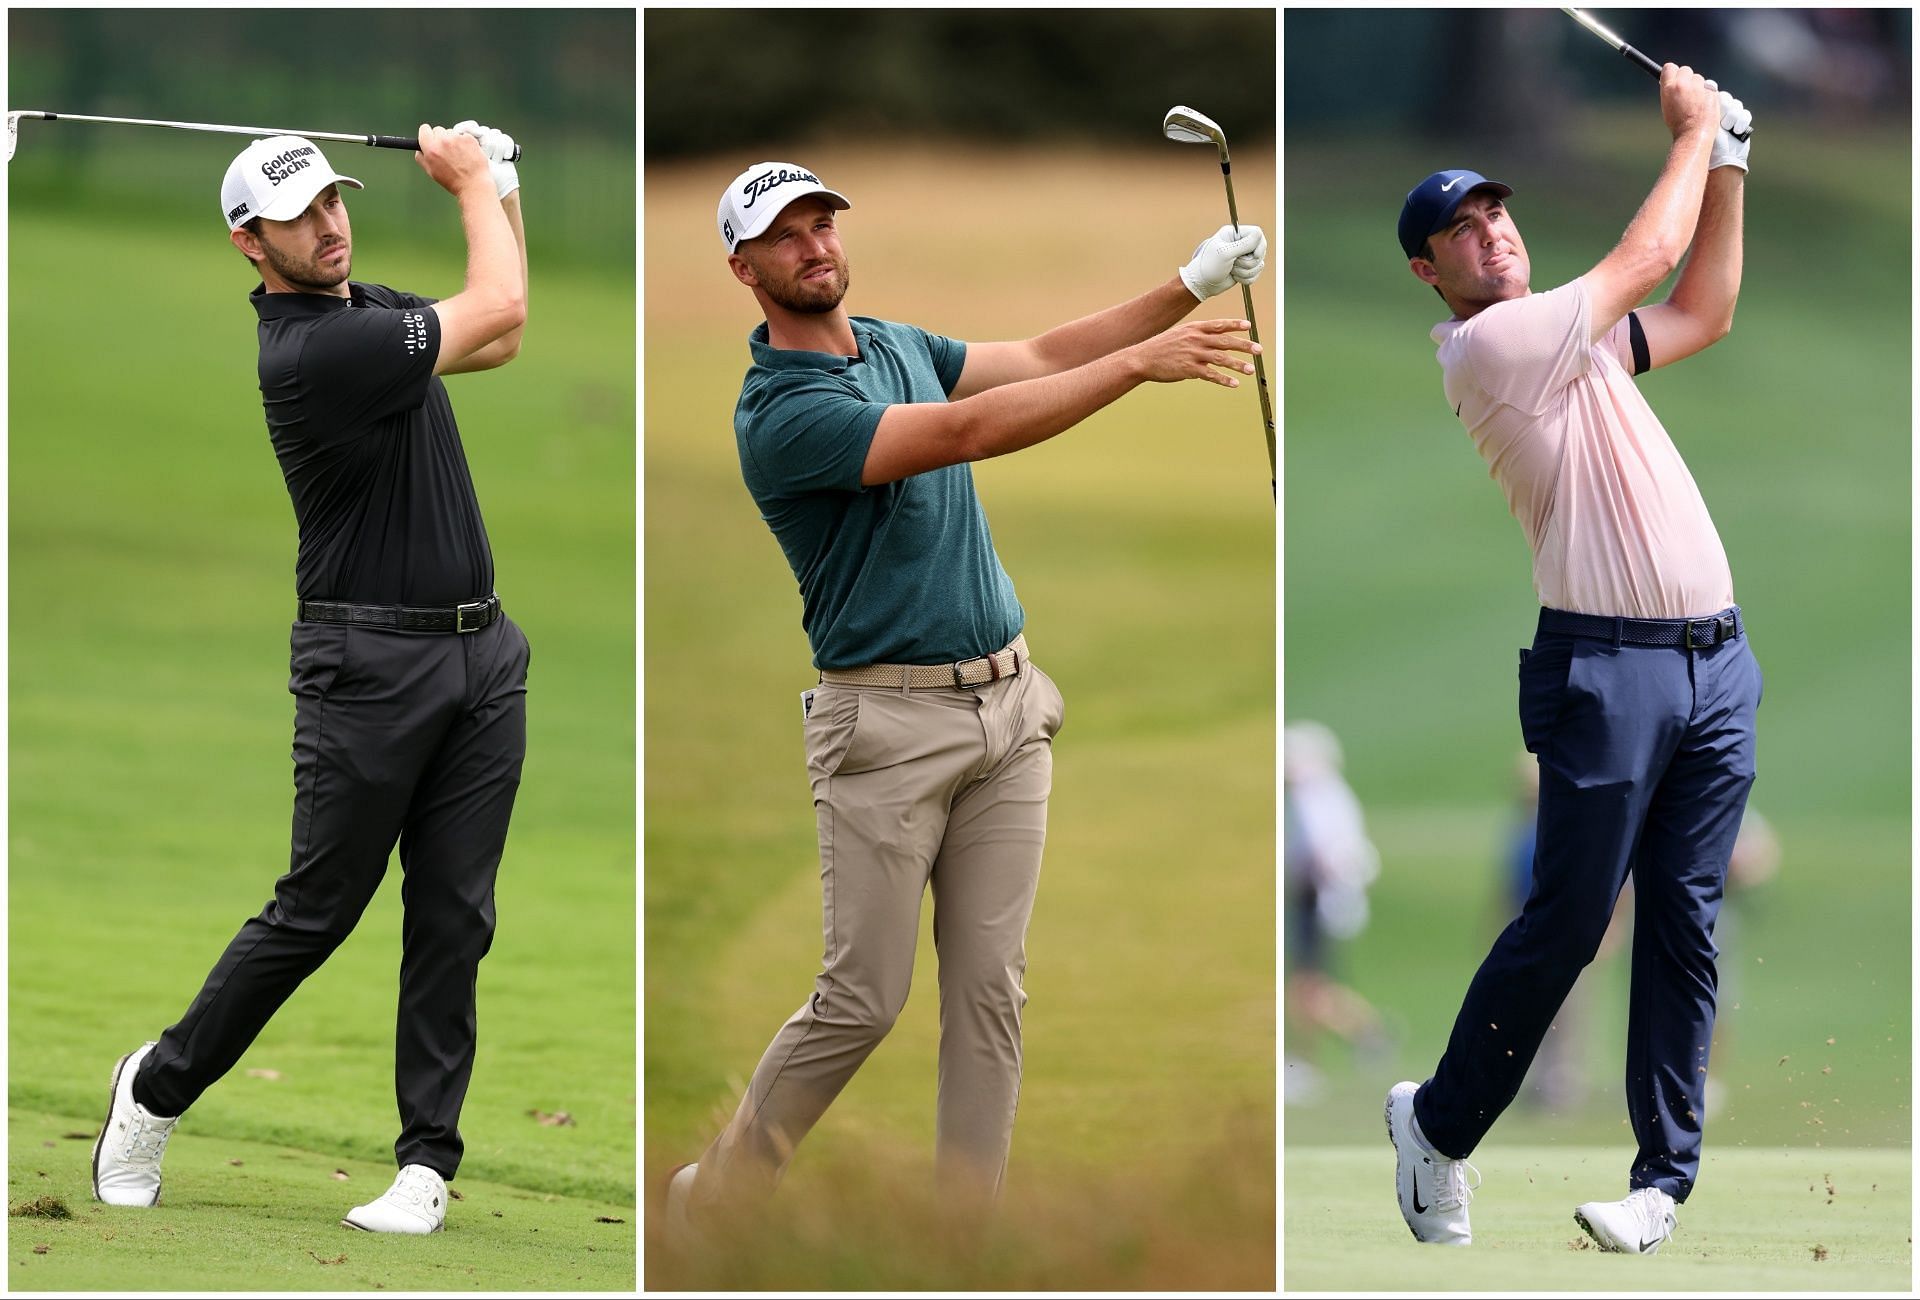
[(1678, 633), (470, 617)]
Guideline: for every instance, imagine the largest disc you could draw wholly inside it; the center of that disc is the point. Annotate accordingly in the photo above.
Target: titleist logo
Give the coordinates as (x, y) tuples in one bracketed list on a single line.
[(768, 180), (279, 168)]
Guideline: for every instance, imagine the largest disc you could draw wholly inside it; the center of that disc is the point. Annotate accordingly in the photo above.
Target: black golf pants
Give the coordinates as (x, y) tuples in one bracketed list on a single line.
[(397, 738)]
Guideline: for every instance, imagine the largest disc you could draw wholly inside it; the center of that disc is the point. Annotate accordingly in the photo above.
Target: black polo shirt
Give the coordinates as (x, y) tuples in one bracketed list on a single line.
[(372, 456)]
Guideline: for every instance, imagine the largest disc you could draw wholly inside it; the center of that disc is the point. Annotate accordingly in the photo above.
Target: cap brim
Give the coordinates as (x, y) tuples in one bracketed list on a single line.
[(836, 200), (291, 199), (1504, 191)]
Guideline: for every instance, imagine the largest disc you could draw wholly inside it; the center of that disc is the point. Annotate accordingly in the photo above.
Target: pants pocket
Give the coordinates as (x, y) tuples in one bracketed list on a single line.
[(317, 654), (1544, 668)]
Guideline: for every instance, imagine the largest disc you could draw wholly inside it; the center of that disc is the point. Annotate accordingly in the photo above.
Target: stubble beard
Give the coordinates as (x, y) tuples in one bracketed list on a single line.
[(813, 298), (308, 275)]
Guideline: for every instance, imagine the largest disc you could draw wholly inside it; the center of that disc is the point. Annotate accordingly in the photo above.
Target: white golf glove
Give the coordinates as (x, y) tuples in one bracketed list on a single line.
[(1734, 117), (498, 147), (1225, 259)]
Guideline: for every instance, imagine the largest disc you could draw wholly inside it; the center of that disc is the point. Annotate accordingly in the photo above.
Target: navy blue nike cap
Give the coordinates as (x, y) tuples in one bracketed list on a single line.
[(1430, 204)]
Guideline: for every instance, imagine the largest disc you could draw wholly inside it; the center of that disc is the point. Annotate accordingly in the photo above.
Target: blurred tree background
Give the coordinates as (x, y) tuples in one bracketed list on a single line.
[(718, 79), (560, 81)]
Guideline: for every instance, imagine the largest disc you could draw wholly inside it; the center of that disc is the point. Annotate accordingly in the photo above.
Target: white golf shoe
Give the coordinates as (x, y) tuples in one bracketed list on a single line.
[(1638, 1225), (126, 1155), (1433, 1189), (416, 1204)]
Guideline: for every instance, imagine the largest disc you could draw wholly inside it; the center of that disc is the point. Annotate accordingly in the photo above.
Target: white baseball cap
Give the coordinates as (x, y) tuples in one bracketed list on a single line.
[(757, 195), (276, 178)]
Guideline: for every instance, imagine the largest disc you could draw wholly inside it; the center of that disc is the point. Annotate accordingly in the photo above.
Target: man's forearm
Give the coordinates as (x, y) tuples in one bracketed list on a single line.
[(1709, 285), (1665, 223), (507, 347), (1019, 415), (1103, 333), (496, 259)]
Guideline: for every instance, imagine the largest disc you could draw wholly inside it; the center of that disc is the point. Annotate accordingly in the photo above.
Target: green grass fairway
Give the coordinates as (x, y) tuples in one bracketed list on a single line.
[(151, 563), (270, 1215), (1141, 545), (1829, 1221)]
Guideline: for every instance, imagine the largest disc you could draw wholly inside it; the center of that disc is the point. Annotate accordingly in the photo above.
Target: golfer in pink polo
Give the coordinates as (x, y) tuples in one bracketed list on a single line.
[(1638, 693)]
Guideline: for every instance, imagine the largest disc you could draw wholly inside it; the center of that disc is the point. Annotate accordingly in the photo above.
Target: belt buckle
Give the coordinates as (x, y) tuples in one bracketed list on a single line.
[(460, 615), (1713, 629), (993, 672)]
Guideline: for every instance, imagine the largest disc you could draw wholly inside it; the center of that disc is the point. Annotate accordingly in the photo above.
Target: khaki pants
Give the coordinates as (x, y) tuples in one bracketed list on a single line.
[(946, 786)]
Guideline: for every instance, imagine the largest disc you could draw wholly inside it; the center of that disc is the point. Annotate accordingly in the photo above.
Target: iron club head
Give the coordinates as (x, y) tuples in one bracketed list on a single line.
[(1189, 126)]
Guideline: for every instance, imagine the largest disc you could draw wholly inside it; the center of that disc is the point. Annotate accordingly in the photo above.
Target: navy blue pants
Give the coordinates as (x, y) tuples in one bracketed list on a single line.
[(1646, 757)]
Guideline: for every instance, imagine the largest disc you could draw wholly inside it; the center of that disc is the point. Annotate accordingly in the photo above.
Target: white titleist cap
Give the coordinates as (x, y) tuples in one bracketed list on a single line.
[(757, 194), (276, 178)]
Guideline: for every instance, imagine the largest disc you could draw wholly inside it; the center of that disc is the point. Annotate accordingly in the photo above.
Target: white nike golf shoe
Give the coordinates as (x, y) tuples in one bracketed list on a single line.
[(1638, 1225), (126, 1155), (416, 1204), (1433, 1189)]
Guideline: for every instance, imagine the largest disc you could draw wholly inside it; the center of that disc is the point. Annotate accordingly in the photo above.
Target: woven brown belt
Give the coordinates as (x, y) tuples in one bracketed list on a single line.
[(968, 672)]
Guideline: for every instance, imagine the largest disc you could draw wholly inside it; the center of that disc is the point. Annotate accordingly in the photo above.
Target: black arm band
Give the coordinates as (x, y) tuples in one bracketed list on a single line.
[(1642, 362)]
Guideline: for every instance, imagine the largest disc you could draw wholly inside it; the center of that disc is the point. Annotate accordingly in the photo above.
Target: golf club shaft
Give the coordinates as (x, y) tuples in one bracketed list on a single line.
[(1253, 333), (1632, 55), (407, 142)]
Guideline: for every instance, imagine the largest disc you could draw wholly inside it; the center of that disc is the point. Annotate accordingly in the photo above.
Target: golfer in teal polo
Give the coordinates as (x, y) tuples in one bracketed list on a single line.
[(929, 737)]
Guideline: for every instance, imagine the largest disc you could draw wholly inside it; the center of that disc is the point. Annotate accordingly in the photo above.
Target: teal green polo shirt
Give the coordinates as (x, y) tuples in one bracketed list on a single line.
[(899, 573)]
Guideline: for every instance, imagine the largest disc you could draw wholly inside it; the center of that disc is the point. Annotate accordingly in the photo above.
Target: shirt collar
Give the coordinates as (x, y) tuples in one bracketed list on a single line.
[(279, 306), (765, 354)]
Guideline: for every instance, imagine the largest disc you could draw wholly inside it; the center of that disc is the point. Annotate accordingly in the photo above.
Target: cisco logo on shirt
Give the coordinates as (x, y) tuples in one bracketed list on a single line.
[(416, 339)]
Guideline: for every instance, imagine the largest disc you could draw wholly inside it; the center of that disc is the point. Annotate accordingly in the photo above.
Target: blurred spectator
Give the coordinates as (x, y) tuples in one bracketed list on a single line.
[(1329, 863)]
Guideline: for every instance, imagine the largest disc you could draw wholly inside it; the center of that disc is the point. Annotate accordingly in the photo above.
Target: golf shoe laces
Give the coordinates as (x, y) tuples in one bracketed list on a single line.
[(415, 1187), (1648, 1205), (1451, 1187), (146, 1139)]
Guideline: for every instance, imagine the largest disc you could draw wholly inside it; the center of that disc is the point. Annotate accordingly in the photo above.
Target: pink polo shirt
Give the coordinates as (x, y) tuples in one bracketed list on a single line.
[(1615, 521)]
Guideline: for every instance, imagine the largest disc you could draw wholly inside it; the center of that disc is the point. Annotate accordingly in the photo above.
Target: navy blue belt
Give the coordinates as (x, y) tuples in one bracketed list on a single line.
[(1678, 633)]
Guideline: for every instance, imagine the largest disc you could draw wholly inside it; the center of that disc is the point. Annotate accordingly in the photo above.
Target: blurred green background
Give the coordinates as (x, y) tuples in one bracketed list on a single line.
[(1142, 546), (1407, 584), (152, 547)]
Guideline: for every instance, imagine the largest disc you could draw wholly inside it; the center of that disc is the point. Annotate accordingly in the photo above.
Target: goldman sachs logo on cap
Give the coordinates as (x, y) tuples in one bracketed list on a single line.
[(765, 181), (277, 169)]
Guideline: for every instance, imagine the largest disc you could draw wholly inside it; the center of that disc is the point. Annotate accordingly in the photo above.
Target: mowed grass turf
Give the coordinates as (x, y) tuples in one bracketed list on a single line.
[(1408, 593), (1761, 1221), (1141, 545), (270, 1216), (152, 547)]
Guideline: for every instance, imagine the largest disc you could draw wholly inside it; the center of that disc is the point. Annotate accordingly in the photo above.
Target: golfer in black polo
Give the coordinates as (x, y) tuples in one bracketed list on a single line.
[(410, 681)]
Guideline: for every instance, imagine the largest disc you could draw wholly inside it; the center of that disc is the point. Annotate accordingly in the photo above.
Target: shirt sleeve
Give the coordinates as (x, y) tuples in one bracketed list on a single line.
[(1628, 342), (949, 357), (1524, 351), (368, 363), (812, 435)]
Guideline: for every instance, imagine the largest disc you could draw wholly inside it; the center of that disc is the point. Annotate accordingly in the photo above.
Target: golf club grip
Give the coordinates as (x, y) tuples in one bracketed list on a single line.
[(411, 143), (1635, 56), (1654, 70)]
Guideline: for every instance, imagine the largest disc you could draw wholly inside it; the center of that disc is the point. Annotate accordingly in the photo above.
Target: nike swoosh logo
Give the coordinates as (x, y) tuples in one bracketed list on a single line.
[(1417, 1207), (1450, 184), (1456, 411)]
